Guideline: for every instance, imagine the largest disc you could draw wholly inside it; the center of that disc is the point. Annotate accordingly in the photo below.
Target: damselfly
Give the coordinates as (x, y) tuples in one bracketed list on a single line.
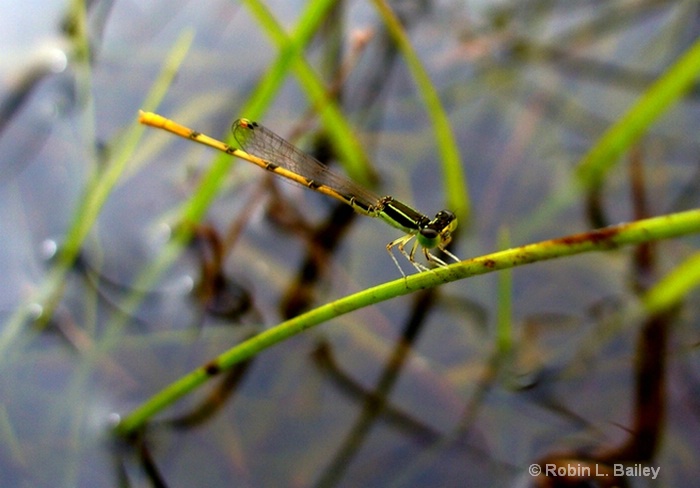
[(266, 149)]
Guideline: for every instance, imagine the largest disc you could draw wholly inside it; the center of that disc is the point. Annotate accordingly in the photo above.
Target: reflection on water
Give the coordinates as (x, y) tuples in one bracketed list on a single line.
[(412, 392)]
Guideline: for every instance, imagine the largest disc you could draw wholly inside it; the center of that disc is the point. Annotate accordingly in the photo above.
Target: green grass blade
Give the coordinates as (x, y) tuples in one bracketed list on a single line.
[(96, 194), (668, 226), (453, 175), (504, 318), (667, 90), (308, 24), (339, 130), (671, 289)]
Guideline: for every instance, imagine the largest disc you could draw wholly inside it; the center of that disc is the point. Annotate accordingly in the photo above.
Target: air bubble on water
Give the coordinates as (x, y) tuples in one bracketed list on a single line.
[(48, 249), (35, 310)]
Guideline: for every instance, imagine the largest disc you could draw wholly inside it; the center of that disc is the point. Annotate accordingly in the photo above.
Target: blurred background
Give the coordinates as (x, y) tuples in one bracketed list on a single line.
[(414, 391)]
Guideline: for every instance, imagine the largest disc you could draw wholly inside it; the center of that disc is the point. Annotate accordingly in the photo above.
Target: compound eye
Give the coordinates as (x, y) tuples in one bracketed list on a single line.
[(429, 233)]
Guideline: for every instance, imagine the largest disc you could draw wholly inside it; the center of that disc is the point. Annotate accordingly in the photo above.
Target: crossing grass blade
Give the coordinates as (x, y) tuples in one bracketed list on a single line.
[(664, 227)]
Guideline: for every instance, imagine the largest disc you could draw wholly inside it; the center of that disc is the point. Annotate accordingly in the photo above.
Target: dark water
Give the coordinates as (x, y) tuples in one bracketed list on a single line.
[(405, 393)]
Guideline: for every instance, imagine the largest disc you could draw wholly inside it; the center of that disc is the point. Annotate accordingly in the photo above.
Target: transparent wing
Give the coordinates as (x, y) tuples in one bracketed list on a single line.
[(258, 141)]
